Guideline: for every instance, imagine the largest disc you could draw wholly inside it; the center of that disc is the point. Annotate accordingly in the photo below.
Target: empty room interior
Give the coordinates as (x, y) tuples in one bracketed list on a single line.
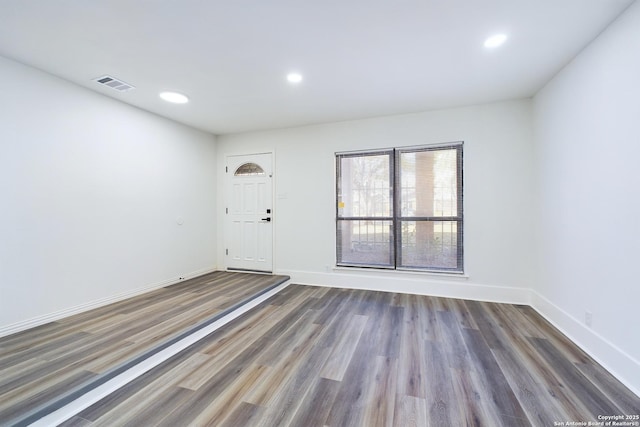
[(360, 213)]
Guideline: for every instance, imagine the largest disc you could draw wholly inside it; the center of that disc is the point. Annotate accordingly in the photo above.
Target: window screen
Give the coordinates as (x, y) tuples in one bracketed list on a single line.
[(401, 208), (365, 209)]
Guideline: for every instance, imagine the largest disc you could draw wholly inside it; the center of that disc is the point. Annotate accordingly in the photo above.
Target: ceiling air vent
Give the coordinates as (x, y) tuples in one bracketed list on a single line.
[(114, 83)]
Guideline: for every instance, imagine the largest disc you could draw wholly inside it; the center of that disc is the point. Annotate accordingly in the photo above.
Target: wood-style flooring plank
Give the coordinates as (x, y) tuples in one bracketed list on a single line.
[(228, 343), (380, 408), (53, 357), (496, 385), (452, 344), (234, 367), (595, 401), (294, 353), (315, 405), (460, 310), (220, 406), (357, 386), (411, 366), (472, 408), (429, 318), (286, 398), (244, 414), (539, 405), (43, 383), (21, 401), (570, 351), (410, 411), (387, 331), (607, 384), (343, 349), (391, 360), (155, 399), (489, 330), (439, 394)]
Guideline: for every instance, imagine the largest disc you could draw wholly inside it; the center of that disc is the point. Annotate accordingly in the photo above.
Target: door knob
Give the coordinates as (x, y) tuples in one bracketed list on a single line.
[(267, 219)]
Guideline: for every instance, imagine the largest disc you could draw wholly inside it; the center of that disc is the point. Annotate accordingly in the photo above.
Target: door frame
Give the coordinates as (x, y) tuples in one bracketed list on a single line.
[(227, 201)]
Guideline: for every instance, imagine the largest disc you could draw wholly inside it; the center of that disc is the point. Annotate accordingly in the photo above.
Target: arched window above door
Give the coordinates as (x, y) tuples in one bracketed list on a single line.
[(247, 169)]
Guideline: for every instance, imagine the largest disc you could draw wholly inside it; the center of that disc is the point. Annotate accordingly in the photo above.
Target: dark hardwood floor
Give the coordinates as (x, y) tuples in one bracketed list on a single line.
[(314, 356), (41, 364)]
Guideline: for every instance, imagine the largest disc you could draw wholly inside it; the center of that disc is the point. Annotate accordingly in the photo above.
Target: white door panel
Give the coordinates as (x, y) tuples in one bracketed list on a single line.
[(249, 230)]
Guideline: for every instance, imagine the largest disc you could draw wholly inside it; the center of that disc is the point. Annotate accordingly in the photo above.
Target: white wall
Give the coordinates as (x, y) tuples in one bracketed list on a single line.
[(587, 143), (497, 196), (91, 189)]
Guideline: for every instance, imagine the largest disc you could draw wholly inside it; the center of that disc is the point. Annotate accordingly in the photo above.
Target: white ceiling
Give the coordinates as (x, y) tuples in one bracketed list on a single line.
[(359, 58)]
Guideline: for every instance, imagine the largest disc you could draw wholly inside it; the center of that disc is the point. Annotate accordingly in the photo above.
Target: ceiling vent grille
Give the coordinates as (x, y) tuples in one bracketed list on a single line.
[(114, 83)]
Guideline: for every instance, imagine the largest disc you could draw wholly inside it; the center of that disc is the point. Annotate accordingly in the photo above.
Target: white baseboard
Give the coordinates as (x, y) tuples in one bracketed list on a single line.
[(620, 364), (615, 360), (412, 283), (52, 317), (74, 407)]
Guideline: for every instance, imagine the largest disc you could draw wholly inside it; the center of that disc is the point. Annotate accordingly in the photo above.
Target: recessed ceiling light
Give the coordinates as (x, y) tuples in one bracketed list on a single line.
[(174, 97), (294, 77), (495, 40)]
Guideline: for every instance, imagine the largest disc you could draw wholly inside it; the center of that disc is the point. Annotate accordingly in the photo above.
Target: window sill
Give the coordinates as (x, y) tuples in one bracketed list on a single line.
[(403, 272)]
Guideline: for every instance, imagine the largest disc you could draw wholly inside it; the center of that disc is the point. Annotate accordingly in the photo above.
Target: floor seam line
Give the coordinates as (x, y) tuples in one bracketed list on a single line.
[(45, 411)]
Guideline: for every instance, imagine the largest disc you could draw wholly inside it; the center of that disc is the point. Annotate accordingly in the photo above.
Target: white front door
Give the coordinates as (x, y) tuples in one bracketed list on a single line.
[(249, 212)]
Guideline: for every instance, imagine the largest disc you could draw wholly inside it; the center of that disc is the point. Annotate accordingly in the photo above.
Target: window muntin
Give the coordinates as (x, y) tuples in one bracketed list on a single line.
[(364, 209), (249, 169), (401, 208), (365, 243), (428, 244), (434, 171)]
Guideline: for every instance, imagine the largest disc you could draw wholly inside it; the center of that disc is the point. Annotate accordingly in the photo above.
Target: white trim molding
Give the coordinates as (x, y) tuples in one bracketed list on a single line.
[(621, 365), (52, 317), (449, 286), (76, 406)]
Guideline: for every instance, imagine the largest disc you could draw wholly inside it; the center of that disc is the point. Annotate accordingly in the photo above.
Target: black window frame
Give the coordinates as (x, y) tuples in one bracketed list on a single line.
[(395, 262)]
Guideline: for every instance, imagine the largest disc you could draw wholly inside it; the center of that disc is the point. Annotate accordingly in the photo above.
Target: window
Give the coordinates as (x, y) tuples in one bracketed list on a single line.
[(400, 208), (248, 169)]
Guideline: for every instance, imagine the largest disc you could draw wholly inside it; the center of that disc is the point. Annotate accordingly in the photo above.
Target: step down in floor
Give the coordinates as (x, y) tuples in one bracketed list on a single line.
[(59, 410)]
